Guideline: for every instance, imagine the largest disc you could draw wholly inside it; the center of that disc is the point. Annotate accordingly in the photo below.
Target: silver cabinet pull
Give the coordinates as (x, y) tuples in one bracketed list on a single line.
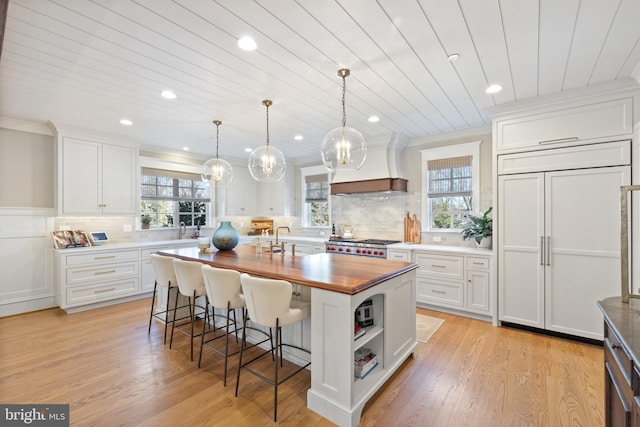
[(104, 272), (541, 250), (104, 257), (548, 250), (559, 140), (437, 266), (101, 291), (438, 292)]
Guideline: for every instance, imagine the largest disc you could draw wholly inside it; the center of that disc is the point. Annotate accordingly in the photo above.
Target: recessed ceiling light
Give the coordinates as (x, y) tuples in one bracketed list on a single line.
[(453, 57), (247, 43), (168, 94), (126, 122), (248, 150), (185, 148), (374, 119), (298, 137), (493, 89)]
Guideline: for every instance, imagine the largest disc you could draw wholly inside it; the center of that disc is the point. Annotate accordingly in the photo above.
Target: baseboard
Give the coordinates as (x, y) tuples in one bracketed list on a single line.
[(11, 309)]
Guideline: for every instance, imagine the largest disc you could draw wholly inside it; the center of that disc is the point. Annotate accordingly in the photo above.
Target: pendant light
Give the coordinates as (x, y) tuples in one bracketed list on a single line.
[(343, 148), (217, 171), (267, 163)]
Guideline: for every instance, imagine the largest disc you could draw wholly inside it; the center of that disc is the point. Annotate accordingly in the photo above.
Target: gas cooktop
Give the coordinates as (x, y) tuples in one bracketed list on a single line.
[(365, 241)]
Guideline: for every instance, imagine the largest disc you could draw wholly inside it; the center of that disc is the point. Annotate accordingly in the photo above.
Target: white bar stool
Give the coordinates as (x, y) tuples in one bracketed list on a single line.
[(191, 285), (269, 303), (223, 293), (165, 278)]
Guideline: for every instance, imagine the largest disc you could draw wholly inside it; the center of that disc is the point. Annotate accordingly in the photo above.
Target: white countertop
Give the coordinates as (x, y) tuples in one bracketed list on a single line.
[(441, 248), (129, 245)]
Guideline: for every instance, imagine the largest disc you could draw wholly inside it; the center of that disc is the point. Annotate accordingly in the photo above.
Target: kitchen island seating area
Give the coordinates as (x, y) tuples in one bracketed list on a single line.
[(270, 305), (335, 286)]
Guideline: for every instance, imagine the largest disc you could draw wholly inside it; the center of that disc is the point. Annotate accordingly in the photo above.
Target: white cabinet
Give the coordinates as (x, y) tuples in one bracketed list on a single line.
[(399, 255), (559, 248), (454, 281), (241, 193), (244, 196), (97, 178), (572, 125), (270, 198), (89, 278)]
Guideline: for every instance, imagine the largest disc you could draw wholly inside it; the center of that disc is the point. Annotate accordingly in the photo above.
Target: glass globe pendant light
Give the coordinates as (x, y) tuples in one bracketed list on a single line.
[(267, 163), (343, 148), (217, 171)]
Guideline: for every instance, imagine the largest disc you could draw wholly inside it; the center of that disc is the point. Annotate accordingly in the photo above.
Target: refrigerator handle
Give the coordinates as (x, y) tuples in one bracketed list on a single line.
[(548, 250), (541, 250)]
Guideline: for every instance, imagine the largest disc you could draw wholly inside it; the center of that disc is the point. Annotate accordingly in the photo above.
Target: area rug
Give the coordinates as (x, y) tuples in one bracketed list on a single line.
[(426, 326)]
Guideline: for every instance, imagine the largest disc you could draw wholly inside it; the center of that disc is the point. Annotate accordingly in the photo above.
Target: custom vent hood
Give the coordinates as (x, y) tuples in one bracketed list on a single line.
[(381, 171)]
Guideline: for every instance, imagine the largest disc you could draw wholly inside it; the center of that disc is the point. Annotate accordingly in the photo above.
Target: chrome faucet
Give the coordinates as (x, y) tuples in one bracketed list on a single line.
[(278, 229), (182, 230)]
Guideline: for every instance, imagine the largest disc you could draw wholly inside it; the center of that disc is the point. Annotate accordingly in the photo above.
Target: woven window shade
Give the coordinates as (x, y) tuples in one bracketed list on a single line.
[(193, 190), (450, 177), (316, 188)]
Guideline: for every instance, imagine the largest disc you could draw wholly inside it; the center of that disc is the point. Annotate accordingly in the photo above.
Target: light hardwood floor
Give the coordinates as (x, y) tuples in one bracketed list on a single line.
[(470, 373)]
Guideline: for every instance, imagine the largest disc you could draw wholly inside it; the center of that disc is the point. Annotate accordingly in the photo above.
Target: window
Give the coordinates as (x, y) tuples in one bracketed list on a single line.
[(168, 195), (315, 197), (450, 185)]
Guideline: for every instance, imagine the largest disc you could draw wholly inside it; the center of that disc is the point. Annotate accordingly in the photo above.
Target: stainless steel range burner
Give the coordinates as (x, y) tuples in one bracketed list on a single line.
[(375, 248)]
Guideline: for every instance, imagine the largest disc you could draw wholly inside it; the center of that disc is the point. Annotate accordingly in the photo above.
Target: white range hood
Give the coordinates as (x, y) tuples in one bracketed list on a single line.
[(381, 171)]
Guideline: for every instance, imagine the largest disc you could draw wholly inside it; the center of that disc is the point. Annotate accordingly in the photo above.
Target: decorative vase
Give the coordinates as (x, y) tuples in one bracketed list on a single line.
[(225, 237), (485, 242)]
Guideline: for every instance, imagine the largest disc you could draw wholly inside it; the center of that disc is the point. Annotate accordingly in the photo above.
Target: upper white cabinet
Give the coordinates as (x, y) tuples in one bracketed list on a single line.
[(245, 196), (578, 124), (240, 193), (97, 178), (271, 198)]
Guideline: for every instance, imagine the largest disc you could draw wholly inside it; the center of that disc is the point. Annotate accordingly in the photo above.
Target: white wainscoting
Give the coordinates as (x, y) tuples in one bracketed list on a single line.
[(26, 273)]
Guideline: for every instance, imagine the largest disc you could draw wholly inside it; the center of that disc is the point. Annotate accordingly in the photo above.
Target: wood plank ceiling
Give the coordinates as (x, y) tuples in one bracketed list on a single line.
[(90, 63)]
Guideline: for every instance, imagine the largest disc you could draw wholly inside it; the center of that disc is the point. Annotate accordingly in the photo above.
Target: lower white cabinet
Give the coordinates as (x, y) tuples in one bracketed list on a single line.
[(454, 281), (91, 277)]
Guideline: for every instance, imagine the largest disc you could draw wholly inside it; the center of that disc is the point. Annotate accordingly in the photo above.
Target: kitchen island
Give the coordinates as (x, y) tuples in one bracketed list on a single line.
[(338, 285)]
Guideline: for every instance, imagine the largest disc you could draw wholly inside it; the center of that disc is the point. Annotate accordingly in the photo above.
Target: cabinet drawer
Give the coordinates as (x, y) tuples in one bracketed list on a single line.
[(439, 293), (102, 257), (80, 275), (440, 266), (473, 262), (621, 358), (102, 292), (398, 255)]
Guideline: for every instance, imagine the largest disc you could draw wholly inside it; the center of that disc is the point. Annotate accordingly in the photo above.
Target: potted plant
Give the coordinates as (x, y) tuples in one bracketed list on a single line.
[(145, 221), (479, 228)]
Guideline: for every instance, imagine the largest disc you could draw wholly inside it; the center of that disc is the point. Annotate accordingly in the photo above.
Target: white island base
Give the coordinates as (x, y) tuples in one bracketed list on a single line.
[(336, 393)]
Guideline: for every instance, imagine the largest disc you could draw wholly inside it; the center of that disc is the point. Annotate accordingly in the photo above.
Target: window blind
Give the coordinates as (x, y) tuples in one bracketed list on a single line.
[(450, 177), (162, 184), (316, 188)]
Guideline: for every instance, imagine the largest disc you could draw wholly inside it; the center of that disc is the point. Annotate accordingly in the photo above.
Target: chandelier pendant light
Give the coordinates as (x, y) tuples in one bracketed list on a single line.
[(217, 170), (267, 163), (343, 148)]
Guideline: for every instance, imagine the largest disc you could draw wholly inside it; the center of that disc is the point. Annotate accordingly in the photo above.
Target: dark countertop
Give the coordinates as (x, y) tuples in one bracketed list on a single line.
[(624, 319), (338, 273)]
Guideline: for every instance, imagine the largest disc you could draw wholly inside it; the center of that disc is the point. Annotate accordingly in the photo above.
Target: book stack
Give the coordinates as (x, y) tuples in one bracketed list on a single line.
[(364, 361), (358, 332)]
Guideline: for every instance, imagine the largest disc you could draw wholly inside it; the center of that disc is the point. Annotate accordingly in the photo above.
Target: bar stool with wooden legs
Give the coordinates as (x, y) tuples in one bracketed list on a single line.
[(223, 293), (165, 278), (269, 304), (190, 285)]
